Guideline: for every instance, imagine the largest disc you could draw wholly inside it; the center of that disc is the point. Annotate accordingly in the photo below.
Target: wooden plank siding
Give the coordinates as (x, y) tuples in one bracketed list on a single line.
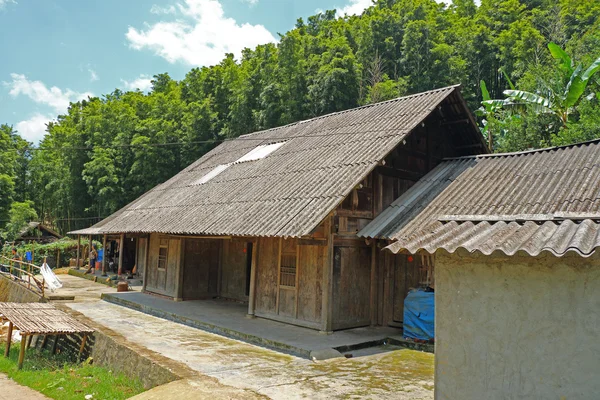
[(233, 269), (163, 281)]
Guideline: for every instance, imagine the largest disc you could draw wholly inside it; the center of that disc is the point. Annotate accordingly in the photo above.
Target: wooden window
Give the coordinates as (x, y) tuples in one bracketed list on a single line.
[(163, 254), (288, 269)]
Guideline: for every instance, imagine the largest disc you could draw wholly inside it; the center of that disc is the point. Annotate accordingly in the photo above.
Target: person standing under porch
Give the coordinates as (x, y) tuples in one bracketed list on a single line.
[(93, 258)]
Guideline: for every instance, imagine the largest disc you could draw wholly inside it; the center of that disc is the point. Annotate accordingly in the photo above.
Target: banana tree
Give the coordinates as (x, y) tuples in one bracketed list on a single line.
[(559, 104)]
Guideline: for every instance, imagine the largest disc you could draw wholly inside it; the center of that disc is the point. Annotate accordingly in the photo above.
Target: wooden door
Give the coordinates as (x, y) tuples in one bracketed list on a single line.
[(351, 286), (288, 282), (201, 268)]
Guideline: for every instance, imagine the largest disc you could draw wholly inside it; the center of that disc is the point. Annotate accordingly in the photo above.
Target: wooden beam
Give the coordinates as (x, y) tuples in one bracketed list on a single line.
[(90, 252), (44, 341), (278, 275), (8, 339), (121, 248), (456, 121), (400, 173), (146, 266), (253, 272), (22, 352), (55, 344), (78, 251), (222, 249), (297, 279), (104, 255), (179, 273), (82, 345), (327, 282), (373, 293), (29, 341)]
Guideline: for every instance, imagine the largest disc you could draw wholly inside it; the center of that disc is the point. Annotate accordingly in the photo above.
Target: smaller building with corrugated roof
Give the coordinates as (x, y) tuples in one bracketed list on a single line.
[(512, 239)]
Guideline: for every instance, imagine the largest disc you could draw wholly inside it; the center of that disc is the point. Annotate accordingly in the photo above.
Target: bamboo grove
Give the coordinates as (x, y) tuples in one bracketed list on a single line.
[(106, 151)]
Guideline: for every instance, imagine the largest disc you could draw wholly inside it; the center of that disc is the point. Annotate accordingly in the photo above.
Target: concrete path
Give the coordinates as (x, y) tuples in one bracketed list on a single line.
[(229, 319), (384, 372), (10, 390)]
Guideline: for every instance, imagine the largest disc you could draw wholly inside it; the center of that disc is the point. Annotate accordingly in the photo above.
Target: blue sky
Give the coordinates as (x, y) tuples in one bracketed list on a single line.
[(56, 51)]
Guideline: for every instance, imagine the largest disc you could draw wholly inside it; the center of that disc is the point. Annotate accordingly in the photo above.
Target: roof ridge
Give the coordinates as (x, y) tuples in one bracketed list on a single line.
[(525, 152), (349, 110)]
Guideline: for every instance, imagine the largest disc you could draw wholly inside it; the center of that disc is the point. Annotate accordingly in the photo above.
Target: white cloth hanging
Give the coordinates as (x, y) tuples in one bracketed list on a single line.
[(50, 277)]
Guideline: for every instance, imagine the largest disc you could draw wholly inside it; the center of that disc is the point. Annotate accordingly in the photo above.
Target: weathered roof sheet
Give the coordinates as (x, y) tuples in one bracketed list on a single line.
[(41, 318), (288, 192), (543, 200), (33, 225)]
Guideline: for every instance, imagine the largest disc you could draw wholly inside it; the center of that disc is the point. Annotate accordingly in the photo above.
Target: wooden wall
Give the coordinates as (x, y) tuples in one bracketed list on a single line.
[(295, 299), (233, 269), (351, 286), (164, 282), (399, 274), (141, 255), (201, 268)]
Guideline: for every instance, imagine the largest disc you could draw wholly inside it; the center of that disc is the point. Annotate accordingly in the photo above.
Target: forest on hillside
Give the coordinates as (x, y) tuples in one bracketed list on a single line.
[(106, 151)]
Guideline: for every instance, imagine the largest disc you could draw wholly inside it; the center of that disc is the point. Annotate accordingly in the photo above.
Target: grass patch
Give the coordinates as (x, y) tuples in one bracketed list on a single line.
[(61, 379)]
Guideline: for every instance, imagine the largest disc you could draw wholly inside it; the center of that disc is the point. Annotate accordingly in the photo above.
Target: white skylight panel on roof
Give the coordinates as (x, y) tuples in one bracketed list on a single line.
[(213, 172), (260, 152)]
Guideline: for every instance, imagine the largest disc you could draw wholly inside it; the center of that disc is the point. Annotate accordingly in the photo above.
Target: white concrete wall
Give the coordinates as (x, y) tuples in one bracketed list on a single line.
[(517, 327)]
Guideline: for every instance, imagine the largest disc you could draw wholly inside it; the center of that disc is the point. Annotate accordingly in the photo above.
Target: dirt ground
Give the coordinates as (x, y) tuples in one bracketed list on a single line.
[(10, 390)]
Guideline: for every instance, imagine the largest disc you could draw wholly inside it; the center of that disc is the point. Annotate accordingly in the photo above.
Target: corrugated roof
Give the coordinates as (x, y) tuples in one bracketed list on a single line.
[(288, 192), (543, 200)]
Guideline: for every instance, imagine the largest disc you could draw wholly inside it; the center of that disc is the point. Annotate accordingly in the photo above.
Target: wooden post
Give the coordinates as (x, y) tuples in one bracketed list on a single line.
[(78, 251), (179, 272), (82, 345), (55, 344), (327, 301), (8, 339), (146, 267), (253, 266), (373, 294), (33, 252), (44, 341), (121, 247), (90, 253), (29, 341), (58, 258), (22, 352), (278, 275), (104, 255)]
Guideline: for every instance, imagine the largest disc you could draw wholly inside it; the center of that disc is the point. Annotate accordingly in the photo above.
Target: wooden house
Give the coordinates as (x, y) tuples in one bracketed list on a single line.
[(37, 232), (514, 239), (271, 218)]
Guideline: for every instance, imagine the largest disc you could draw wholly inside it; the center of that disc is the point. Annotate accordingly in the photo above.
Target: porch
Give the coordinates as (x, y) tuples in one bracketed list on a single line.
[(228, 318)]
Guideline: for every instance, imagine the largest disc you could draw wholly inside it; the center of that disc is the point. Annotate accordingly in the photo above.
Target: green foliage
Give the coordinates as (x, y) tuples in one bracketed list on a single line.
[(105, 152), (58, 377), (559, 104), (20, 214)]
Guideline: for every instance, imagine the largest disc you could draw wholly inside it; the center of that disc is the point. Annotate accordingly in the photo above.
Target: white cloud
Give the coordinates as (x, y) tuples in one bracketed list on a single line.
[(200, 37), (93, 75), (142, 82), (3, 3), (251, 3), (37, 91), (156, 9), (34, 128), (355, 7)]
